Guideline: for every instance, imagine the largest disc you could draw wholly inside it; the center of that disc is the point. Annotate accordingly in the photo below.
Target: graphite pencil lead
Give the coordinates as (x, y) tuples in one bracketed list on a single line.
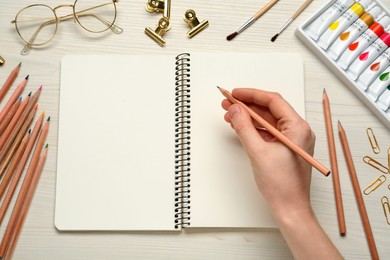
[(48, 119), (29, 94), (26, 78), (20, 64)]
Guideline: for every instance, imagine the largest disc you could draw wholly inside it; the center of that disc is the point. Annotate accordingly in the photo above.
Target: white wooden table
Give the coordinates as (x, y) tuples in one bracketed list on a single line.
[(39, 238)]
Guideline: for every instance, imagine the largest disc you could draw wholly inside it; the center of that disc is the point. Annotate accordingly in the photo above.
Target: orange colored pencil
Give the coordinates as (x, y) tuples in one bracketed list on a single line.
[(10, 80), (15, 119), (358, 193), (20, 168), (24, 188), (26, 205), (14, 163), (23, 117), (275, 132), (10, 115), (17, 93), (334, 166), (8, 155)]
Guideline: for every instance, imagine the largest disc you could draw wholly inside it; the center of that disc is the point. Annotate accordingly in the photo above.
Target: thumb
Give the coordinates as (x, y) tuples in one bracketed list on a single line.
[(245, 130)]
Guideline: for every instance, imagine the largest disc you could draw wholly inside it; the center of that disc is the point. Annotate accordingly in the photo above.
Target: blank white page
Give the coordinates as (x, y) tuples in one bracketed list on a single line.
[(116, 143), (223, 190)]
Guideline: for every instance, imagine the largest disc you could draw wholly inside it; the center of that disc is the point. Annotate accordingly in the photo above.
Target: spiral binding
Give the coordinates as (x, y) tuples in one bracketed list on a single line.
[(182, 141)]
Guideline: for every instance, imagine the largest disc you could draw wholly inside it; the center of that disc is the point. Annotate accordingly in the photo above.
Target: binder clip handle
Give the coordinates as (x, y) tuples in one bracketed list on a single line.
[(162, 27), (193, 22)]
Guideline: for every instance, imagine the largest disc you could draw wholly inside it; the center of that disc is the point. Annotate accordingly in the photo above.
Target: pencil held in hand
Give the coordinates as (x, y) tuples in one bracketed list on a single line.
[(276, 133)]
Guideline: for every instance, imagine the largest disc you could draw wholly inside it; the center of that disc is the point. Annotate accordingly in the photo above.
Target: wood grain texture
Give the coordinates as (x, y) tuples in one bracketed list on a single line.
[(40, 240)]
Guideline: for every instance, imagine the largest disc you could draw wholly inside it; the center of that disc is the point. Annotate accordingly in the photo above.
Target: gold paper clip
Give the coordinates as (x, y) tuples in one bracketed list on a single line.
[(377, 165), (373, 141), (386, 208), (162, 27), (193, 22), (375, 184), (155, 6), (2, 61)]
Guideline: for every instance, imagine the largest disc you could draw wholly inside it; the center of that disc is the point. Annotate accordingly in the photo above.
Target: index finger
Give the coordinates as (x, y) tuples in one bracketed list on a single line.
[(276, 104)]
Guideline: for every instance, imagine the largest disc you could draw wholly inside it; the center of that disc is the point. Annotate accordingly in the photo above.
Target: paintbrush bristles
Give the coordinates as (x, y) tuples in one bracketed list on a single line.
[(231, 36)]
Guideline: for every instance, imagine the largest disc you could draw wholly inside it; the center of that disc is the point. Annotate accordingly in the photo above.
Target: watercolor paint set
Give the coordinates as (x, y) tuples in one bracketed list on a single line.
[(352, 38)]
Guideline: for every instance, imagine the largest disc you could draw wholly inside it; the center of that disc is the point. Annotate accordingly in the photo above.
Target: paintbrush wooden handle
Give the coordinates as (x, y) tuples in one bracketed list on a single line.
[(300, 9), (265, 9)]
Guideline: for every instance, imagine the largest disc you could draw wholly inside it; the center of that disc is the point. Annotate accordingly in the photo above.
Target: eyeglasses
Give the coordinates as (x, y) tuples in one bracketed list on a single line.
[(37, 24)]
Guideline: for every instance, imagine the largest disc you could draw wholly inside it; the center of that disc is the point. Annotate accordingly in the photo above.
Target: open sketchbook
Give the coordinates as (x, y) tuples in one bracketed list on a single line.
[(143, 144)]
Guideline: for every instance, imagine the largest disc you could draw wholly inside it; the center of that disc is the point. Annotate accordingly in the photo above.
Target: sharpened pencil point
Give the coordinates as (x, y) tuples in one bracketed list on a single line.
[(231, 36), (48, 119), (20, 64), (46, 146), (274, 38), (20, 99), (40, 88), (29, 131), (26, 78), (29, 94)]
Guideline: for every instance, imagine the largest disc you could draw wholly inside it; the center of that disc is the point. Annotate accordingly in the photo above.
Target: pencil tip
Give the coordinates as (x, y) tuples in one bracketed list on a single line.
[(36, 107), (29, 131), (29, 94), (46, 146), (40, 88), (48, 119), (26, 78), (324, 91), (20, 99), (274, 38), (231, 36), (20, 64)]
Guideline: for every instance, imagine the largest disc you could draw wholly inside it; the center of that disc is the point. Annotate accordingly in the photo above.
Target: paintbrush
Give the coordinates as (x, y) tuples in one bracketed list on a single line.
[(292, 18), (252, 20)]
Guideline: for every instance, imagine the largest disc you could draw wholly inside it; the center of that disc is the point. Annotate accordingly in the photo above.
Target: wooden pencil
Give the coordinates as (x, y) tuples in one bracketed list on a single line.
[(34, 99), (15, 119), (358, 193), (14, 163), (23, 213), (334, 166), (15, 144), (275, 132), (17, 93), (10, 115), (20, 167), (10, 80), (24, 188)]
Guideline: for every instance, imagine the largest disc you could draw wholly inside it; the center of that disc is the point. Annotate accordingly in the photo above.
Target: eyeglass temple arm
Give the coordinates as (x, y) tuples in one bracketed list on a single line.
[(26, 49)]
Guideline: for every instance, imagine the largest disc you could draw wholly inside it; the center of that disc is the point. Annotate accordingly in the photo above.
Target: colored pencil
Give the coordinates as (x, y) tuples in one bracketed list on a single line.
[(291, 19), (334, 166), (358, 193), (20, 167), (275, 132), (14, 163), (23, 117), (8, 155), (26, 204), (10, 115), (24, 188), (10, 80), (252, 20), (17, 93), (14, 121)]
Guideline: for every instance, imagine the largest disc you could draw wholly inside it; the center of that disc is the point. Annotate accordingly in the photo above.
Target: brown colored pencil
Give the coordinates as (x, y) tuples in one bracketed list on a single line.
[(20, 168), (10, 80), (10, 115), (334, 166), (24, 188), (14, 163), (15, 119), (275, 132), (23, 117), (15, 144), (23, 213), (17, 93), (358, 193)]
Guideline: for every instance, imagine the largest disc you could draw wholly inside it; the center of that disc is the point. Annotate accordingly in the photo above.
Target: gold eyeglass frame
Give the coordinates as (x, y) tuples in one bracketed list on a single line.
[(57, 19)]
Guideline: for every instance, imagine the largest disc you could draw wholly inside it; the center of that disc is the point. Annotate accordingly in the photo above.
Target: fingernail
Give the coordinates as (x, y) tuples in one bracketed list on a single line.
[(234, 110)]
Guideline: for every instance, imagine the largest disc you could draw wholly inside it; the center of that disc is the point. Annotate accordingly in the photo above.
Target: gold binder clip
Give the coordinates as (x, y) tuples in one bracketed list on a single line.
[(2, 61), (386, 208), (375, 184), (373, 141), (155, 6), (193, 22), (377, 165), (156, 35)]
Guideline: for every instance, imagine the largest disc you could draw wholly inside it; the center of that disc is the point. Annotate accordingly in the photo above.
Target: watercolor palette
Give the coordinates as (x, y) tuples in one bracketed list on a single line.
[(352, 38)]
